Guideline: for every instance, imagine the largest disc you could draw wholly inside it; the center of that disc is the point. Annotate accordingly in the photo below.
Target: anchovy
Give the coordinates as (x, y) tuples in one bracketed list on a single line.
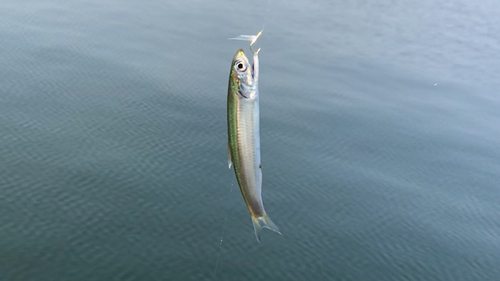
[(244, 137)]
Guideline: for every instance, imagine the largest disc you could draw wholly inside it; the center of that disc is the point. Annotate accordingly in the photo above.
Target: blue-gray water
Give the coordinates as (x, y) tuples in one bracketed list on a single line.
[(380, 133)]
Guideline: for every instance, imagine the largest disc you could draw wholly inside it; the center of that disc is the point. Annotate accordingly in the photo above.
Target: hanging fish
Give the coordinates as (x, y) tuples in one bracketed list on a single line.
[(244, 135)]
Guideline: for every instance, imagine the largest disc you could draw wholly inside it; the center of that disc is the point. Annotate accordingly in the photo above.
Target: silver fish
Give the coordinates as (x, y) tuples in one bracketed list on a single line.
[(244, 136)]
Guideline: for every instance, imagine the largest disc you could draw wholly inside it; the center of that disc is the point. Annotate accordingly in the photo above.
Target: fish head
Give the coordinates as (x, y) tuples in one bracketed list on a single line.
[(243, 73)]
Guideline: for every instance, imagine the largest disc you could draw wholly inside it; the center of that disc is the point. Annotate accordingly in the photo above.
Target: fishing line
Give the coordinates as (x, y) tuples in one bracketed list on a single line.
[(253, 38), (222, 236), (265, 15)]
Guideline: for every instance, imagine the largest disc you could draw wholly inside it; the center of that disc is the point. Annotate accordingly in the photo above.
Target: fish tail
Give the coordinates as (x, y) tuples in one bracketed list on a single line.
[(263, 221)]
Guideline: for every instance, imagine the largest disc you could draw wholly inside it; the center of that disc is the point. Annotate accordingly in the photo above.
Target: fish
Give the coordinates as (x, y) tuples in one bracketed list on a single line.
[(244, 137)]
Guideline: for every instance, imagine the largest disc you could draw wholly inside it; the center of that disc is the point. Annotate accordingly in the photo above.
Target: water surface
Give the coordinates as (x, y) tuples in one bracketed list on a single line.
[(379, 133)]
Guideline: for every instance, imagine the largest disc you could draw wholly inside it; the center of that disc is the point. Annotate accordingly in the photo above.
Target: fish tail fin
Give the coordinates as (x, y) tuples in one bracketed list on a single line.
[(263, 221)]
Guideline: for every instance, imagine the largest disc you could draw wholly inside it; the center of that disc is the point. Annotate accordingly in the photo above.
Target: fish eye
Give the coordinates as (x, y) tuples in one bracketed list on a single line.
[(240, 66)]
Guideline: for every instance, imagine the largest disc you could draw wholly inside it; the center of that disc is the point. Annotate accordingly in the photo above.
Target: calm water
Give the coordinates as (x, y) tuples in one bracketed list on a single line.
[(380, 132)]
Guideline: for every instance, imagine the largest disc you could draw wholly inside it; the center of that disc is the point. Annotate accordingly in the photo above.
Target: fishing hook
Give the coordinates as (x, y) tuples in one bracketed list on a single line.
[(255, 40)]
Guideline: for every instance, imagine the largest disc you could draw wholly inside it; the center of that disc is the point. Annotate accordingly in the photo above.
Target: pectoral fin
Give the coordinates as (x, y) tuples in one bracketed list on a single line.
[(229, 162)]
